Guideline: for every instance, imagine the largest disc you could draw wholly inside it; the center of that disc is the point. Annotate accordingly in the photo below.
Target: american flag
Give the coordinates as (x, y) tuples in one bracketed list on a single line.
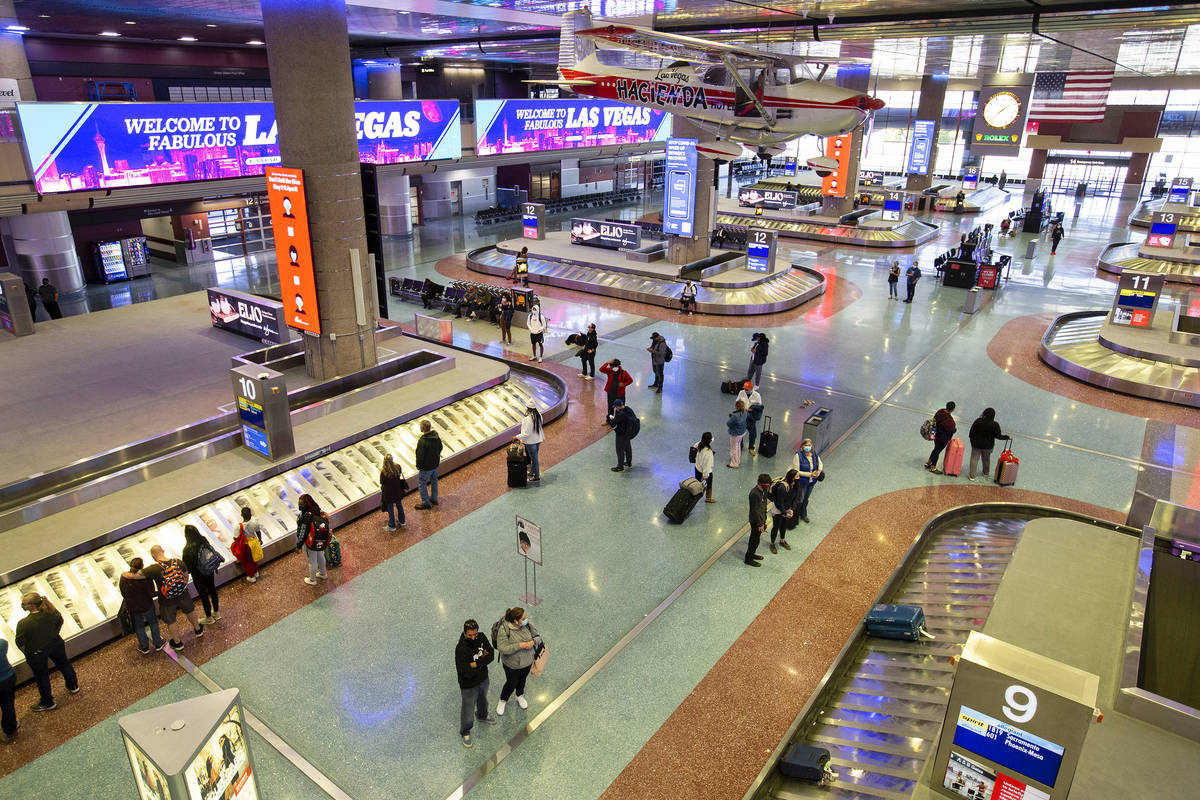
[(1070, 96)]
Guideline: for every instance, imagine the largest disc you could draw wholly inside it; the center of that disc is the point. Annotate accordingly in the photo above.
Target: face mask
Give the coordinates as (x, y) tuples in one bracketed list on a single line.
[(808, 448), (524, 622)]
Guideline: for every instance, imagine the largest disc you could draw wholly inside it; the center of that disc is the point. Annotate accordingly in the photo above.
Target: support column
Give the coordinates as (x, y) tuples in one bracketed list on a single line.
[(395, 204), (929, 106), (681, 249), (857, 79), (308, 52)]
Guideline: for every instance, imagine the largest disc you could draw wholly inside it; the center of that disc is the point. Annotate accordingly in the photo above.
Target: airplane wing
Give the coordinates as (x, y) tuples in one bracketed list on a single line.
[(682, 48)]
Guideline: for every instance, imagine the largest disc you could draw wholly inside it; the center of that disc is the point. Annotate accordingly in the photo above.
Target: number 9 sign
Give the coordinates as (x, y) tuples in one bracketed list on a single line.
[(1020, 704)]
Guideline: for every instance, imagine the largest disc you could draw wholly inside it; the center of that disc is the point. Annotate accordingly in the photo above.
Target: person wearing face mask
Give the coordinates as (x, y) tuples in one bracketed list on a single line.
[(809, 470), (471, 658), (516, 640), (531, 436), (783, 504)]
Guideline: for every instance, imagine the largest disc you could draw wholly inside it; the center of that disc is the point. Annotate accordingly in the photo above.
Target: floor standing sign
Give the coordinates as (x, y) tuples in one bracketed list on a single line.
[(14, 306), (1015, 725), (533, 220), (263, 412), (293, 250), (893, 206), (679, 201), (529, 546), (760, 250)]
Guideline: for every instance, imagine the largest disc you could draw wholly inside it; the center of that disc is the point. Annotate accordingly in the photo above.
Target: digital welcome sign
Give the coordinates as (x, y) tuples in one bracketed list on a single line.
[(80, 146), (526, 126)]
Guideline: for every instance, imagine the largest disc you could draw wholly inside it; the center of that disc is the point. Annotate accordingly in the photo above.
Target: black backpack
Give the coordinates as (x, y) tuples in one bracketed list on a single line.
[(692, 453), (318, 533), (634, 425), (669, 354)]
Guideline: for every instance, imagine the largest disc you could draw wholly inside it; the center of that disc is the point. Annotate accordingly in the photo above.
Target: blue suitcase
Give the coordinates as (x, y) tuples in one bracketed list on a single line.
[(896, 622), (804, 762)]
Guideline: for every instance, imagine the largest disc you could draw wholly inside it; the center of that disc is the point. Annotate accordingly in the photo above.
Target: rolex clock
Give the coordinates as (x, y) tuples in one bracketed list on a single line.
[(1001, 110)]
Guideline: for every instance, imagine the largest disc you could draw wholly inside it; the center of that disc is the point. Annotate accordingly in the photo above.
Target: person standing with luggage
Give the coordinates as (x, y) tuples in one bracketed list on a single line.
[(472, 655), (170, 578), (1056, 236), (705, 461), (658, 351), (587, 353), (506, 318), (626, 425), (911, 276), (532, 436), (392, 487), (515, 640), (520, 273), (754, 411), (428, 457), (894, 281), (8, 696), (736, 426), (537, 324), (944, 428), (313, 534), (759, 498), (37, 636), (49, 294), (203, 561), (248, 530), (983, 435), (618, 379), (687, 298), (758, 357), (809, 470), (138, 593), (784, 494)]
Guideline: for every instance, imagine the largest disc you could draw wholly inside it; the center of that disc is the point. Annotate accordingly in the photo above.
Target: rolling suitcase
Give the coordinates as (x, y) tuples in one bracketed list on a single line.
[(952, 463), (1007, 466), (684, 500), (896, 622), (333, 553), (517, 475), (804, 762), (768, 441)]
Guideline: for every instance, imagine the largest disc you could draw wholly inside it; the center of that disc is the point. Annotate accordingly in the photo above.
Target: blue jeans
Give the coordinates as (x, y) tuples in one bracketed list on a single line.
[(802, 499), (394, 509), (751, 430), (143, 620), (535, 468), (474, 705), (425, 479)]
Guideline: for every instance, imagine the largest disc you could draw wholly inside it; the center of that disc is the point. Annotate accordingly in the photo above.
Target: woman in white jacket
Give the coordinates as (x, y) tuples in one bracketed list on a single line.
[(537, 324), (532, 436), (704, 464)]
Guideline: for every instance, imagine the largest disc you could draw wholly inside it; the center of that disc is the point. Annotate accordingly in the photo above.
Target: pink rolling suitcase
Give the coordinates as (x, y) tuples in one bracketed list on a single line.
[(952, 465), (1007, 466)]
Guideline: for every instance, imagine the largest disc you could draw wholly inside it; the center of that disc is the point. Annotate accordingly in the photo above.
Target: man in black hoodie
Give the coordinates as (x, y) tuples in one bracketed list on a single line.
[(429, 456), (471, 658)]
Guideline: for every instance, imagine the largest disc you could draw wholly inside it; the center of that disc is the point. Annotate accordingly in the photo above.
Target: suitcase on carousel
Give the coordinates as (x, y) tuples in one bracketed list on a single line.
[(952, 463), (896, 622), (804, 762), (517, 470), (1007, 466), (768, 440), (684, 500)]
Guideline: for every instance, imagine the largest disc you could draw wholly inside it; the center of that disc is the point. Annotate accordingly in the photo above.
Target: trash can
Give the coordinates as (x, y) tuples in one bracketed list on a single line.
[(1031, 248), (818, 429), (920, 204), (974, 301)]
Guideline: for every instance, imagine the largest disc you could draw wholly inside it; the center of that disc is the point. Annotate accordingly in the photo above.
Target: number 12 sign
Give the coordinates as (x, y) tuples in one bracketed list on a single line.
[(1162, 229)]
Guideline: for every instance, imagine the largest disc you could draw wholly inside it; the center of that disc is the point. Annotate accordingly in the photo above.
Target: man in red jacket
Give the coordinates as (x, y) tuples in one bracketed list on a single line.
[(618, 379)]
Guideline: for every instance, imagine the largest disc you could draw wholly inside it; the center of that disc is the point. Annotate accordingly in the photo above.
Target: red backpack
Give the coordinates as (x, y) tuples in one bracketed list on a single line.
[(318, 533)]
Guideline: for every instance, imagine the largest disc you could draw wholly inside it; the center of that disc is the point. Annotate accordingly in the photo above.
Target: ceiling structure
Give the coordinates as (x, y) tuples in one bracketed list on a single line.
[(903, 38)]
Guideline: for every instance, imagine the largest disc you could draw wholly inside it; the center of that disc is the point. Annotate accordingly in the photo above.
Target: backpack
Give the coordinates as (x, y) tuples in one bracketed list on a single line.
[(496, 631), (692, 453), (669, 354), (208, 560), (174, 581), (634, 426), (318, 533), (333, 555), (927, 429)]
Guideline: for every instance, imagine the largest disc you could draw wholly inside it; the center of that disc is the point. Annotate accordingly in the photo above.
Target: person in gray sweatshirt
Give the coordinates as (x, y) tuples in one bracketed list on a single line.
[(515, 639)]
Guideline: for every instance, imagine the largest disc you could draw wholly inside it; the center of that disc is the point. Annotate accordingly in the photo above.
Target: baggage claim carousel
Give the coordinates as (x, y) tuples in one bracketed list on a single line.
[(78, 566)]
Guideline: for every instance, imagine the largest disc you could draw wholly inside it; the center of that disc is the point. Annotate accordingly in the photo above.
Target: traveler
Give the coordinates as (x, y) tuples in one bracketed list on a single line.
[(429, 456), (138, 593), (705, 460), (759, 347), (515, 640), (911, 276), (784, 496), (8, 691), (959, 199), (587, 353), (658, 351), (49, 294), (466, 302), (203, 561), (736, 425), (532, 436), (759, 497), (754, 411), (520, 271), (983, 435), (537, 324), (170, 578), (313, 532), (506, 317), (618, 379), (943, 431), (1005, 224), (472, 655), (1056, 236), (37, 637), (687, 298), (625, 424), (809, 469), (893, 280), (247, 543), (392, 487)]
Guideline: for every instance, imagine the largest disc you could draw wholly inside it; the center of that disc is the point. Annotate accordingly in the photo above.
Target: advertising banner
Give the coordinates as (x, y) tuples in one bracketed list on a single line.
[(526, 126), (922, 146), (81, 146), (1181, 189), (893, 206), (1000, 120), (1137, 297), (679, 201), (837, 147), (1162, 229), (529, 540), (610, 235), (293, 250), (768, 198), (247, 314), (222, 768)]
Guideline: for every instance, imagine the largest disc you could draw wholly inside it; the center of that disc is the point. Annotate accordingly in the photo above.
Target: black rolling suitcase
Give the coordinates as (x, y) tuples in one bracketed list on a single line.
[(684, 500), (805, 763), (768, 441), (730, 387), (517, 475)]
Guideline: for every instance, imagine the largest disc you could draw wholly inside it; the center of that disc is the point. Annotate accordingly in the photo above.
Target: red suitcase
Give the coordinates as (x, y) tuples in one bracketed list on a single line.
[(952, 464), (1007, 466)]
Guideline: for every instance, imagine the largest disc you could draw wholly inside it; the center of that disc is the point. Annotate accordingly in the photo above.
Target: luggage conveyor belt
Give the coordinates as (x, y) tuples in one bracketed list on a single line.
[(1140, 218), (1119, 257), (344, 481), (907, 234), (879, 710), (1072, 346), (778, 292)]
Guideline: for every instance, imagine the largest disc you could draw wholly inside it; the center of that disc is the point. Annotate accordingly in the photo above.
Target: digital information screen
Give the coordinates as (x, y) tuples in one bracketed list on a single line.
[(527, 126), (256, 440), (251, 412), (1181, 190), (679, 201), (970, 177), (1008, 745), (922, 146), (293, 249), (222, 769), (837, 148), (81, 146), (1137, 296), (758, 251), (893, 206), (789, 167), (1162, 229), (529, 221)]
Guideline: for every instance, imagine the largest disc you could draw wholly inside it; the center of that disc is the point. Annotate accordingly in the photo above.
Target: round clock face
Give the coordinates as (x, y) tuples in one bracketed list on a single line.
[(1001, 110)]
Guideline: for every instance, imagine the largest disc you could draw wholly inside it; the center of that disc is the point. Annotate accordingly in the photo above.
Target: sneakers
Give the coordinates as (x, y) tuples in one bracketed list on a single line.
[(310, 581), (589, 377), (500, 708), (216, 615), (784, 545), (208, 620), (145, 652), (752, 452), (488, 720), (159, 648), (199, 632), (322, 576), (251, 579), (466, 740), (176, 644), (521, 701), (935, 470), (774, 549), (539, 359), (389, 527), (971, 478), (582, 375), (75, 690), (44, 706), (618, 469), (422, 506)]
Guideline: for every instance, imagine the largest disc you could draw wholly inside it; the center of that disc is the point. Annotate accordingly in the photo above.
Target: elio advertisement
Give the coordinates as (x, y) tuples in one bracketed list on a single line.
[(768, 198), (526, 126), (82, 146), (610, 235)]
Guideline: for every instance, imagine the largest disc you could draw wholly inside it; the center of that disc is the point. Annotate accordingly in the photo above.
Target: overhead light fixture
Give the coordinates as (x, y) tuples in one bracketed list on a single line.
[(130, 22), (210, 25), (254, 41), (16, 28), (383, 33), (187, 38), (109, 33)]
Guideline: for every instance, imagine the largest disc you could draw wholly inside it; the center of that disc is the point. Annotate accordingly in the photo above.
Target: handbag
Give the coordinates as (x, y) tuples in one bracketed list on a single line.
[(540, 657), (821, 477), (256, 551), (125, 619)]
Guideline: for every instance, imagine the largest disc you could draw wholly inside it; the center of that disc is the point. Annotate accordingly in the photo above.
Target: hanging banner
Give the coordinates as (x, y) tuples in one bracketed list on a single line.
[(81, 146), (838, 148), (922, 146), (679, 201), (527, 126), (293, 250)]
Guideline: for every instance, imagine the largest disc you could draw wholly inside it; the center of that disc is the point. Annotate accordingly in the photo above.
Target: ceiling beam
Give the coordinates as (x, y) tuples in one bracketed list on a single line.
[(446, 8)]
